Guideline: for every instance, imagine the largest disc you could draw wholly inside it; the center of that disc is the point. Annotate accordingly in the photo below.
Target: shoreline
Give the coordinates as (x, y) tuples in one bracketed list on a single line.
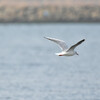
[(45, 14), (50, 22)]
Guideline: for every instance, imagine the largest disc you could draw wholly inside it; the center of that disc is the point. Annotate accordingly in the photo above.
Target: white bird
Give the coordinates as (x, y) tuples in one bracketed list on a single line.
[(65, 50)]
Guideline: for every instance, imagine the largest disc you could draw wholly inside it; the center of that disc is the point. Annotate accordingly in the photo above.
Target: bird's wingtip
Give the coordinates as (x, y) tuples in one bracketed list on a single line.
[(45, 37), (83, 40)]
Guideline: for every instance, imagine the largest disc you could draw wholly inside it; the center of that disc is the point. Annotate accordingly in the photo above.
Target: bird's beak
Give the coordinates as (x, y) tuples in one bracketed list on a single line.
[(77, 54)]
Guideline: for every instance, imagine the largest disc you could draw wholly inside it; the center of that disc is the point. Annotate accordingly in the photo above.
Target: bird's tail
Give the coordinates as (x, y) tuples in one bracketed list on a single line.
[(58, 54)]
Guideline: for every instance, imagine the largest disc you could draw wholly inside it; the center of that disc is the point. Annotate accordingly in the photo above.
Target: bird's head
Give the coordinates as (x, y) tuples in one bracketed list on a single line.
[(76, 53)]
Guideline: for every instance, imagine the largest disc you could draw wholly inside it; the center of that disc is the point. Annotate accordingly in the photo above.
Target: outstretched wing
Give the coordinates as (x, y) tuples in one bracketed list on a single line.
[(61, 43), (74, 46)]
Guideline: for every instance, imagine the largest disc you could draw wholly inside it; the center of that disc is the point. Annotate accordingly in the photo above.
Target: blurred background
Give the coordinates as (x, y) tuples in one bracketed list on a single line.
[(29, 68), (49, 10)]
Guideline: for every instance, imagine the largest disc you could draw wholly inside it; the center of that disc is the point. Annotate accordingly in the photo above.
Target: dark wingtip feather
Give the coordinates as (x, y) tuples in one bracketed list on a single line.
[(83, 40)]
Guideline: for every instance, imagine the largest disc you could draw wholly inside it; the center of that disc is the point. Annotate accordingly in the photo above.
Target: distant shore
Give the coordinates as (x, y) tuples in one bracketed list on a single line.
[(29, 14)]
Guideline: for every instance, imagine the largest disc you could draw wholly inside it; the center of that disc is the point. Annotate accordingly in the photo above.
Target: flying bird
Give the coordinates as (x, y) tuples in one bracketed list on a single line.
[(65, 50)]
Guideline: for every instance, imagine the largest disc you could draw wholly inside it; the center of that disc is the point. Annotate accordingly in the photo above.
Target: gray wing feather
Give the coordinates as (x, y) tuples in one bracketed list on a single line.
[(74, 46), (61, 43)]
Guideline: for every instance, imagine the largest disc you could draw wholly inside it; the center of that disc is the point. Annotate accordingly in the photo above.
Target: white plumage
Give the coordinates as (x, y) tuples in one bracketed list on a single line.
[(65, 50)]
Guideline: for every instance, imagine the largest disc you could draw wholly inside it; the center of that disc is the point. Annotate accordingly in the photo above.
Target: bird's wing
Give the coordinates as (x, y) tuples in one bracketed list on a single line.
[(74, 46), (61, 43)]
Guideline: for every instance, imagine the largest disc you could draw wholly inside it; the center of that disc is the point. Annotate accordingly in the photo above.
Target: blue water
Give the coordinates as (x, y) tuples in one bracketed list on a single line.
[(29, 69)]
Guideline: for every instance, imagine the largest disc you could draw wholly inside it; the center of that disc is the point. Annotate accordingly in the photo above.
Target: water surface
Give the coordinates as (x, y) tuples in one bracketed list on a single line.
[(29, 69)]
